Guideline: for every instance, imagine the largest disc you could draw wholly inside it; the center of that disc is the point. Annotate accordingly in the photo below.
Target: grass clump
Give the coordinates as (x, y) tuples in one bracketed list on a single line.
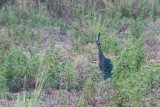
[(15, 66), (111, 45), (130, 61), (52, 61), (129, 75)]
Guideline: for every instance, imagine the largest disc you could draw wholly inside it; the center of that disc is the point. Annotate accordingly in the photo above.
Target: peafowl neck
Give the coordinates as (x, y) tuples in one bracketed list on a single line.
[(100, 53)]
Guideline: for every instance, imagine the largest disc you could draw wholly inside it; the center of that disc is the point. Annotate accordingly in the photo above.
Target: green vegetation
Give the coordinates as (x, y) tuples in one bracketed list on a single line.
[(48, 54)]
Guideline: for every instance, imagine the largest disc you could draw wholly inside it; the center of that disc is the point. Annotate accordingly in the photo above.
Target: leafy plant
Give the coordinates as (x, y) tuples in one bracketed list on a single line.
[(128, 74), (136, 28), (15, 66), (55, 67), (110, 44)]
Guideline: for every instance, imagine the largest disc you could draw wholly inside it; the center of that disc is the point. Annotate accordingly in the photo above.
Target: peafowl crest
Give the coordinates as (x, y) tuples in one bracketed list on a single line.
[(104, 63)]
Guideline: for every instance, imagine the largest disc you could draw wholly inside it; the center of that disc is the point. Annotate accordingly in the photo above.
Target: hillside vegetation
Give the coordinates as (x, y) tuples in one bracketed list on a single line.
[(49, 58)]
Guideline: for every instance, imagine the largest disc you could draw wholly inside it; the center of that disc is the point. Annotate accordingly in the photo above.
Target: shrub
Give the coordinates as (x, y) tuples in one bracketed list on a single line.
[(130, 61), (15, 66), (137, 28), (128, 74), (55, 67), (69, 80), (110, 44)]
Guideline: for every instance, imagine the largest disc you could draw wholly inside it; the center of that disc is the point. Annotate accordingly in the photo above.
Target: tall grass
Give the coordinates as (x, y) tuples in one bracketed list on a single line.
[(35, 95), (133, 8), (129, 8)]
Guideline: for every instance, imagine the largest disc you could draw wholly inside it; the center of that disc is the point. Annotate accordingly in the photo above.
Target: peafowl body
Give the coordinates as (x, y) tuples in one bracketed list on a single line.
[(104, 63)]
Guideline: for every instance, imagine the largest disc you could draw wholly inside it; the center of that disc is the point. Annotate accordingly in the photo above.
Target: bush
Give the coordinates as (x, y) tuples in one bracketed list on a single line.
[(55, 67), (14, 67), (69, 80), (129, 76), (137, 28), (110, 44), (129, 61)]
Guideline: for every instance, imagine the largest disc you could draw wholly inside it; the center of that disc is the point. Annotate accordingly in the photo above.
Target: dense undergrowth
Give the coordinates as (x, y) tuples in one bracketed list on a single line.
[(48, 54)]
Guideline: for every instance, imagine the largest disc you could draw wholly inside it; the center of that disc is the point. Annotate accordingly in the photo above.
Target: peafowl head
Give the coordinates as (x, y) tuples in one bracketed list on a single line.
[(97, 41)]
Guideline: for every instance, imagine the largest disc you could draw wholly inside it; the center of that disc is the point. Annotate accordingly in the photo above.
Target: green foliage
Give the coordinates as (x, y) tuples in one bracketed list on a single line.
[(9, 16), (21, 22), (129, 75), (114, 23), (63, 26), (135, 87), (95, 26), (70, 80), (136, 28), (55, 67), (78, 10), (129, 61), (15, 66), (91, 78), (37, 18), (110, 44), (33, 101), (89, 91)]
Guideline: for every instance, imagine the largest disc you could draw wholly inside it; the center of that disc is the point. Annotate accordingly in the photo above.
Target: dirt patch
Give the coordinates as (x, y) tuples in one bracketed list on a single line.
[(124, 28), (153, 98), (153, 49), (152, 38), (47, 39), (4, 103)]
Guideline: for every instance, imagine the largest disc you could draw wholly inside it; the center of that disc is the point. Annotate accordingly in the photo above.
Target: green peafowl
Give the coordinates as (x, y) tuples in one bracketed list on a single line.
[(104, 63)]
